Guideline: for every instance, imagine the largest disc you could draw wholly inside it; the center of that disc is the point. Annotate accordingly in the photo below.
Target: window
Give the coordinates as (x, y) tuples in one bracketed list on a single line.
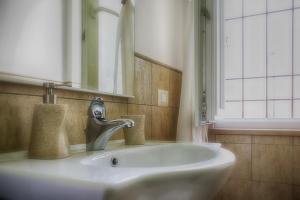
[(260, 59)]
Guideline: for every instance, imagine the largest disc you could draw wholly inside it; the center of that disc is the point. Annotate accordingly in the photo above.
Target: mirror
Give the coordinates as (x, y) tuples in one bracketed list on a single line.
[(87, 44)]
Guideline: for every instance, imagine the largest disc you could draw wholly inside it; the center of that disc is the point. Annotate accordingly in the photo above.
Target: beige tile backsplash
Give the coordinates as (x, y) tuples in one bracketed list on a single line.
[(267, 167), (17, 102)]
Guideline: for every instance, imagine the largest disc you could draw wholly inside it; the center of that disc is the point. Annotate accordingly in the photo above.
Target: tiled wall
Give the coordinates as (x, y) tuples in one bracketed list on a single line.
[(17, 102), (267, 168)]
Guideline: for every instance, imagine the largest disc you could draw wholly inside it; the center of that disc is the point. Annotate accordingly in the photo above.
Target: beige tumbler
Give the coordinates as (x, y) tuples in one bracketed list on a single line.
[(48, 137), (136, 134)]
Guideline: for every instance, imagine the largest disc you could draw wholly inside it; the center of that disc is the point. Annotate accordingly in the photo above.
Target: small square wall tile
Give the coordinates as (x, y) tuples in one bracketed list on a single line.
[(235, 190), (272, 163), (275, 140), (236, 139), (142, 82), (242, 168), (134, 109), (160, 80), (272, 191)]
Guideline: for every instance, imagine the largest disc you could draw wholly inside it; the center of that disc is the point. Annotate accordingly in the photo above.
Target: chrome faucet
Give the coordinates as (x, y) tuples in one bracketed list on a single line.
[(99, 130)]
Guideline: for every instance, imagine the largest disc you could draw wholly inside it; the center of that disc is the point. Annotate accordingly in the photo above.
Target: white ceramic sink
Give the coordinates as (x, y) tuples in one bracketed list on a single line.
[(155, 171), (162, 156)]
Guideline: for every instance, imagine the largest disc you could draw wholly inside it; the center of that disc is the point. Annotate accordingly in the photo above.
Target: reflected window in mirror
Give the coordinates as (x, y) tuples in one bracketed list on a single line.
[(108, 45)]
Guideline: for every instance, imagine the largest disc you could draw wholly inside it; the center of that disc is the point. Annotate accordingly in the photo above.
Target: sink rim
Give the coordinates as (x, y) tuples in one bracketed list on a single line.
[(72, 170), (226, 157)]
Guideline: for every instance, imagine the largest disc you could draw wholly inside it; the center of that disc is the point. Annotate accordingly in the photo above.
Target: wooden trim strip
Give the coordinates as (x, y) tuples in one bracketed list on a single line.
[(255, 132), (141, 56)]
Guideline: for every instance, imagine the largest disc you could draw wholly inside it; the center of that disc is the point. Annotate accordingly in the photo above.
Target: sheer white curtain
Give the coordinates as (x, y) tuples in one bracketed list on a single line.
[(189, 127), (127, 46)]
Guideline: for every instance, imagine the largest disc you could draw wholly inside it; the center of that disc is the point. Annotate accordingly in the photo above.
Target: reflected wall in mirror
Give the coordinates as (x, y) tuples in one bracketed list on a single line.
[(108, 45), (87, 44)]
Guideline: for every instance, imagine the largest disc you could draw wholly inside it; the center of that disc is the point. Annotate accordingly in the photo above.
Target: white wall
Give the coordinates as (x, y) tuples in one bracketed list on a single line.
[(41, 39), (159, 30)]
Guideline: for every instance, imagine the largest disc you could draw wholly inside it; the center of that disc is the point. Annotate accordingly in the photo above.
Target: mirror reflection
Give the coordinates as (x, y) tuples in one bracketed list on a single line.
[(83, 43)]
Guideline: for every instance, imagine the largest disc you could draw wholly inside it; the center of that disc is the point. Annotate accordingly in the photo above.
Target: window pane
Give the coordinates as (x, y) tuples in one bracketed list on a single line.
[(297, 109), (252, 7), (297, 87), (233, 8), (296, 3), (280, 43), (255, 109), (233, 90), (233, 48), (231, 110), (255, 46), (254, 89), (279, 109), (274, 5), (297, 40), (280, 88)]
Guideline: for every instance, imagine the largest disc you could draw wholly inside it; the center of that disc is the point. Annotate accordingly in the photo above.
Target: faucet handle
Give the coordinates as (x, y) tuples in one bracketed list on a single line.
[(97, 109)]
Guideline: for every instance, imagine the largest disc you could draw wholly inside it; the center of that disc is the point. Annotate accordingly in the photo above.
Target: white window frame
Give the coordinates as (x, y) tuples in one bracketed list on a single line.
[(216, 99)]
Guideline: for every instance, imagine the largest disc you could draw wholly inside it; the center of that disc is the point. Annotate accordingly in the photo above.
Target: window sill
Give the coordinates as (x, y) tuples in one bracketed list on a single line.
[(255, 132), (273, 124)]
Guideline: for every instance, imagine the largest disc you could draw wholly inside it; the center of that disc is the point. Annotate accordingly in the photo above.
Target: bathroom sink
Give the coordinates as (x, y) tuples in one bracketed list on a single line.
[(154, 171), (162, 156)]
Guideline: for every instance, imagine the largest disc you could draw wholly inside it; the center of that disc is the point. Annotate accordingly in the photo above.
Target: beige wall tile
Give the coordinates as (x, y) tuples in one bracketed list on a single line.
[(134, 109), (282, 140), (173, 123), (142, 85), (160, 123), (296, 193), (237, 139), (211, 138), (76, 119), (242, 168), (272, 163), (271, 191), (175, 88), (16, 121), (14, 88), (115, 111), (160, 80), (296, 165), (120, 99), (297, 141), (67, 94), (149, 78), (236, 190)]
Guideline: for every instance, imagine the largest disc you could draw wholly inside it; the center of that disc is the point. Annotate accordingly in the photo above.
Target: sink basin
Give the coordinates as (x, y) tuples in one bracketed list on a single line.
[(171, 155), (155, 171)]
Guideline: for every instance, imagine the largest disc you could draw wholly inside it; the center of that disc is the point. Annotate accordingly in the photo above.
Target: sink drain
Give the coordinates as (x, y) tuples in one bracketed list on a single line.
[(114, 162)]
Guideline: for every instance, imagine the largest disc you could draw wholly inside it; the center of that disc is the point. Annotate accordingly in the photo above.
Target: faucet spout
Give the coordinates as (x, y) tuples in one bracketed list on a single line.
[(109, 130), (99, 130)]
